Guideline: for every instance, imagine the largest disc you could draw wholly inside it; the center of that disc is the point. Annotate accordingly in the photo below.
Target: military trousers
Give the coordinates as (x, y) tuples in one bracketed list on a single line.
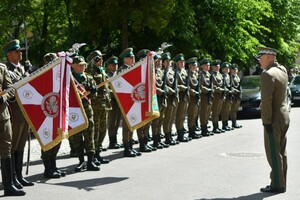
[(181, 111), (275, 147), (234, 107), (20, 128), (226, 109), (205, 110), (100, 121), (216, 107), (126, 133), (169, 115), (192, 112), (158, 122), (5, 138), (114, 118)]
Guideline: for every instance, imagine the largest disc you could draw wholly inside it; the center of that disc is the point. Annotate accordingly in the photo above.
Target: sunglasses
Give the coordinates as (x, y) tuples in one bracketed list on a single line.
[(97, 59)]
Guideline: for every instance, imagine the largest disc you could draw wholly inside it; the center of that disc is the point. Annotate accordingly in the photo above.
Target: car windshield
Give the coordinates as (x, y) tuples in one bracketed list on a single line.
[(250, 82), (297, 80)]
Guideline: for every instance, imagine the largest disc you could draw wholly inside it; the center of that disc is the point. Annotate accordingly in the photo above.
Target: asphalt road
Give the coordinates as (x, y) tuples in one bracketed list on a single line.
[(228, 166)]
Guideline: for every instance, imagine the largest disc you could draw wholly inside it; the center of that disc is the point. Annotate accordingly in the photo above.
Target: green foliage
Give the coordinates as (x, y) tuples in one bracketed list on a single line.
[(229, 30)]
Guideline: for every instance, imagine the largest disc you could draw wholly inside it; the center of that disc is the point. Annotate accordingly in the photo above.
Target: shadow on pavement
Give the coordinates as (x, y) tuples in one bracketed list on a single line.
[(256, 196), (88, 184)]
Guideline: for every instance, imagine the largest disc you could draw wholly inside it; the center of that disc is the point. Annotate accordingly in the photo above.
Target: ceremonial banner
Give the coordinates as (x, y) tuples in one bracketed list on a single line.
[(51, 104), (135, 93)]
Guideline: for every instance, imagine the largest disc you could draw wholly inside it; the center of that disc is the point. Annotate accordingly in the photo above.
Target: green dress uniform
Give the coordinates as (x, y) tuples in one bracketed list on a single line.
[(20, 127), (194, 98), (84, 140), (228, 98), (6, 133), (275, 118), (218, 97), (236, 97)]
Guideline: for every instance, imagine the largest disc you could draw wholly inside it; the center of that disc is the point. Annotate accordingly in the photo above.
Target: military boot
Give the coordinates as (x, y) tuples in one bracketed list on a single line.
[(193, 134), (143, 146), (90, 163), (169, 140), (100, 158), (18, 155), (82, 164), (204, 131), (113, 142), (49, 171), (181, 137), (156, 142), (14, 175), (54, 168), (225, 127), (216, 128), (127, 151), (235, 125), (230, 128), (6, 171)]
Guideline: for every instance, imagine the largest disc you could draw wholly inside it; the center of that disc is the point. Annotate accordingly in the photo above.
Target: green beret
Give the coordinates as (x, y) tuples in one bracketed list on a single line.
[(112, 60), (234, 66), (49, 57), (205, 61), (192, 61), (178, 57), (142, 53), (95, 55), (267, 50), (11, 46), (127, 53), (225, 65), (216, 62), (79, 60), (166, 56)]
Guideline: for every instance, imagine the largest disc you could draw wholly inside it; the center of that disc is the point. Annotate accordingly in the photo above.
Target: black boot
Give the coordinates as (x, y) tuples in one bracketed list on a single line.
[(235, 125), (82, 164), (204, 131), (224, 126), (127, 150), (169, 139), (54, 168), (230, 128), (19, 166), (14, 175), (181, 137), (113, 142), (49, 171), (90, 163), (193, 134), (100, 159), (143, 146), (6, 171), (216, 128), (156, 143)]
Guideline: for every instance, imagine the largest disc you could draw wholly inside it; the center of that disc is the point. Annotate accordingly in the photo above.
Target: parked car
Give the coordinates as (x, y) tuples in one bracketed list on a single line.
[(295, 89), (251, 98)]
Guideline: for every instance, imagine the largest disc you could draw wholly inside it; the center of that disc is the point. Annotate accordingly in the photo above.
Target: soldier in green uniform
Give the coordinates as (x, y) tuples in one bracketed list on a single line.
[(218, 95), (6, 136), (172, 97), (206, 96), (183, 96), (236, 95), (128, 60), (84, 140), (156, 124), (114, 115), (49, 157), (194, 98), (275, 117), (227, 96), (100, 102), (20, 126), (143, 131)]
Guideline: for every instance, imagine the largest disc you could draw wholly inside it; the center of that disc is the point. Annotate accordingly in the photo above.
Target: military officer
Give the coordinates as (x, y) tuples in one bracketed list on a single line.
[(206, 96), (218, 95), (161, 99), (114, 115), (6, 136), (194, 98), (128, 59), (183, 86), (275, 117), (100, 103), (49, 157), (227, 96), (172, 97), (20, 127), (84, 140), (236, 95)]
